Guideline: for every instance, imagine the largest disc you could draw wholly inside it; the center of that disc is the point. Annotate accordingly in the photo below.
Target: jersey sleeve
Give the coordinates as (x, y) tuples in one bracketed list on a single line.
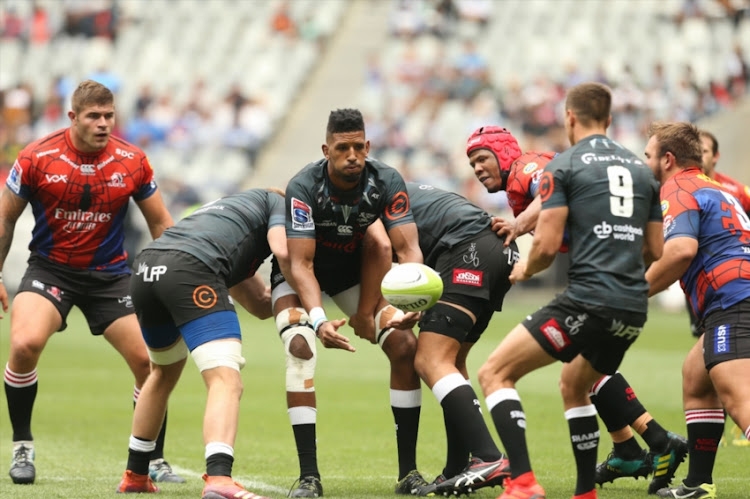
[(680, 212), (398, 208), (299, 220), (553, 185), (147, 185), (276, 205), (20, 177)]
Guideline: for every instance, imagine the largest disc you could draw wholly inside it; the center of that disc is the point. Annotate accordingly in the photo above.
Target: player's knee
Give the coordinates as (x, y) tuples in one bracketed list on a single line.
[(401, 348), (382, 332), (219, 354), (293, 325), (301, 357)]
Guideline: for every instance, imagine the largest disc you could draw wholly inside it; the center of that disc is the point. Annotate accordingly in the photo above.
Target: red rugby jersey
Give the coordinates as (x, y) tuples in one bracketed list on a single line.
[(79, 200), (736, 188)]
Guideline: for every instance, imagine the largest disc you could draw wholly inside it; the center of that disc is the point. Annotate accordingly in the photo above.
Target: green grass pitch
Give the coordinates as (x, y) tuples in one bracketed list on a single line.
[(83, 411)]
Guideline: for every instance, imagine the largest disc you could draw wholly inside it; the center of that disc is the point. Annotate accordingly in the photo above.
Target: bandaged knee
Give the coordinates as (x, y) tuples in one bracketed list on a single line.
[(385, 314), (299, 372), (170, 355), (219, 354)]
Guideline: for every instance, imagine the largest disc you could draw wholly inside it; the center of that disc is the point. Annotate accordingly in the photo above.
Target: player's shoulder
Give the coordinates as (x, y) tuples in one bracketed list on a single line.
[(381, 169), (122, 149), (310, 173), (51, 144)]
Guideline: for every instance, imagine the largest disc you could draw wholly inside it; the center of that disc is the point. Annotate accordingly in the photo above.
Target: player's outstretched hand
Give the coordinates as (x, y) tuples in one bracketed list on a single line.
[(330, 338), (407, 321), (518, 273), (507, 228)]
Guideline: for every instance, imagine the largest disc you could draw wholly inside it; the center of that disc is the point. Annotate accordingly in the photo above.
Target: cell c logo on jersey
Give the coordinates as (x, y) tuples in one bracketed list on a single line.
[(546, 186), (399, 206), (204, 296)]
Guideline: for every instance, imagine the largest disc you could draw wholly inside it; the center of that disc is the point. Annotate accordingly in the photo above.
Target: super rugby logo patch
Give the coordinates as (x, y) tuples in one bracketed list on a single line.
[(302, 218)]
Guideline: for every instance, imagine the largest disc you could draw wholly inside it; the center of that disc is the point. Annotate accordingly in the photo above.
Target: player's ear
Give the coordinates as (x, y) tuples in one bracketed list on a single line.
[(324, 147), (71, 115), (367, 147)]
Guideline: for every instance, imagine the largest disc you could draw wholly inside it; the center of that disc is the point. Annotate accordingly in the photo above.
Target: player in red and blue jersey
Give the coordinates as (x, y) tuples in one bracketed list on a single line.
[(707, 247), (78, 181)]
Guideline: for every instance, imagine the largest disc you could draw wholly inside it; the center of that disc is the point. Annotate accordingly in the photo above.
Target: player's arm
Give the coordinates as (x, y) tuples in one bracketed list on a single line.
[(11, 207), (302, 278), (524, 223), (156, 214), (547, 240), (405, 241), (653, 243), (674, 262), (254, 296)]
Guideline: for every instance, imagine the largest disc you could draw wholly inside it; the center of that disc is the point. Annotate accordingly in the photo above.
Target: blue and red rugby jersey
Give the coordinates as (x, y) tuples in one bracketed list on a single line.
[(695, 206), (80, 200)]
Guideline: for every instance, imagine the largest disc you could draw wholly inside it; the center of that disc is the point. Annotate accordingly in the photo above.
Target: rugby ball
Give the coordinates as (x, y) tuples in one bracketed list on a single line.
[(412, 287)]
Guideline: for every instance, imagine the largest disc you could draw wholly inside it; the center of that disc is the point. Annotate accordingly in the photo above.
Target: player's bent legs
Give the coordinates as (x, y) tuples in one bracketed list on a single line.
[(33, 320), (517, 355), (576, 378), (124, 335), (152, 402), (734, 395), (436, 357)]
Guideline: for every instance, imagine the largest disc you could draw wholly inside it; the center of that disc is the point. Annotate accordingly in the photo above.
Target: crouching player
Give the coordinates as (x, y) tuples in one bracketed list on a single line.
[(183, 294)]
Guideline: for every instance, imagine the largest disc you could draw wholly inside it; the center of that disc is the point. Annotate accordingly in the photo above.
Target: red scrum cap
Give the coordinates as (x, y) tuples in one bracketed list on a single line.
[(500, 142)]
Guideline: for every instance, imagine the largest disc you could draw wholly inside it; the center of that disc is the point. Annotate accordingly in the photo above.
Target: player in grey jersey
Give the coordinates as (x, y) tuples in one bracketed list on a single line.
[(457, 240), (608, 200), (330, 205), (183, 292)]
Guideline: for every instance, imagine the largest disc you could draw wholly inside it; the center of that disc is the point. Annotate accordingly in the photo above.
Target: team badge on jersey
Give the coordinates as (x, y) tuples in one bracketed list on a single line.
[(14, 178), (302, 218)]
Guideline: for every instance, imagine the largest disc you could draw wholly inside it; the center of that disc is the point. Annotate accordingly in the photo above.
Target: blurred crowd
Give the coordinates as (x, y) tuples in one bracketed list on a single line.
[(407, 86), (415, 85)]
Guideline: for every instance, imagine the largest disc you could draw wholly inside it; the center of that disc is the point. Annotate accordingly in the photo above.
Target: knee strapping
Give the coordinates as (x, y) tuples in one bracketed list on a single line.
[(218, 354), (171, 355), (447, 320), (299, 372), (387, 313)]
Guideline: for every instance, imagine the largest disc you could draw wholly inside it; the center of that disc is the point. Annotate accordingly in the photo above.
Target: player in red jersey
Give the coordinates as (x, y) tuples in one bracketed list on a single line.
[(78, 181), (706, 247), (499, 164), (710, 150)]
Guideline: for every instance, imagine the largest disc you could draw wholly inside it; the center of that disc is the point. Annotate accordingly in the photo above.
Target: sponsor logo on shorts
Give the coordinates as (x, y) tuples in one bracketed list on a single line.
[(555, 335), (721, 339), (55, 292), (151, 274), (620, 329), (302, 218), (126, 300), (467, 276), (205, 296), (37, 284)]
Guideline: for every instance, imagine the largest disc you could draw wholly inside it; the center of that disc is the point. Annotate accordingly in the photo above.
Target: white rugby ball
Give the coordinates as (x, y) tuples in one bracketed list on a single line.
[(412, 287)]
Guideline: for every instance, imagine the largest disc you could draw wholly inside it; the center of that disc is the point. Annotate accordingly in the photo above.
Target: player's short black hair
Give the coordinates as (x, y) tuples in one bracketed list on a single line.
[(345, 120)]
